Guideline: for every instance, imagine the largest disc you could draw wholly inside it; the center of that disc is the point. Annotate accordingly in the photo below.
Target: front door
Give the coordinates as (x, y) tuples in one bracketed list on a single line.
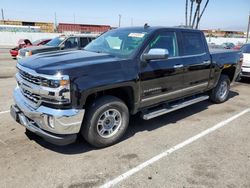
[(162, 80)]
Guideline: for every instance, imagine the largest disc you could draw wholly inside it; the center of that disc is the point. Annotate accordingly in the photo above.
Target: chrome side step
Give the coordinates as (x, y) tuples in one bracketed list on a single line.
[(167, 109)]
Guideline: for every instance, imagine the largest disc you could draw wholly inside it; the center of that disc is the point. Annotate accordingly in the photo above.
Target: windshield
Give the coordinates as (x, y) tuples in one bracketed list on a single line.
[(120, 43), (56, 41)]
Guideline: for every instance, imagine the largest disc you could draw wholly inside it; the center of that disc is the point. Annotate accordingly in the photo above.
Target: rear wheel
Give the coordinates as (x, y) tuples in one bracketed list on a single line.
[(105, 122), (220, 93)]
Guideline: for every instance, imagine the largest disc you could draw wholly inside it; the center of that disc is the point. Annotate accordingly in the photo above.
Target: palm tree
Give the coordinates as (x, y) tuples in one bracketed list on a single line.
[(199, 17), (186, 13), (191, 12), (196, 15)]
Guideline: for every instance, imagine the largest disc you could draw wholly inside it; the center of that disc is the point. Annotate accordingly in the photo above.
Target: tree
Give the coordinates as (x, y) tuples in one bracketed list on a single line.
[(191, 12), (186, 13), (197, 15)]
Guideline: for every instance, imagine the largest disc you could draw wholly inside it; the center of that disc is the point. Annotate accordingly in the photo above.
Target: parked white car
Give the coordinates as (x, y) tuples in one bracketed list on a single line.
[(246, 60)]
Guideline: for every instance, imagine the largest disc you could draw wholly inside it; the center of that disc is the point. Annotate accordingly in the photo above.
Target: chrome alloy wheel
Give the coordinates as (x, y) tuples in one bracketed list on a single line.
[(223, 90), (109, 123)]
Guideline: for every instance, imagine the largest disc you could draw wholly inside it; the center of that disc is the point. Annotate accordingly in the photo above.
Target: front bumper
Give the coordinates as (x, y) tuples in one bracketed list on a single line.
[(54, 125)]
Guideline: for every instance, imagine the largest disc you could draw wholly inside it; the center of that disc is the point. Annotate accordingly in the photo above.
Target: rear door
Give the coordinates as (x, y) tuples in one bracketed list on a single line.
[(196, 61), (162, 80)]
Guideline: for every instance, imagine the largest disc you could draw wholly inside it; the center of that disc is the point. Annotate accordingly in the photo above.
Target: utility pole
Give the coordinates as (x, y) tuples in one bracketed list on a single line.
[(55, 22), (120, 17), (248, 28), (2, 14)]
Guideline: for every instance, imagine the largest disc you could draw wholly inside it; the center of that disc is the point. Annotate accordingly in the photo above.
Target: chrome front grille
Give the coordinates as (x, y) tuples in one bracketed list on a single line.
[(30, 78), (28, 84), (31, 96)]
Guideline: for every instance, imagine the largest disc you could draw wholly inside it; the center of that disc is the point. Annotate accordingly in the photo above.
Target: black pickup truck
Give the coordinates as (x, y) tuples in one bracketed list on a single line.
[(146, 70)]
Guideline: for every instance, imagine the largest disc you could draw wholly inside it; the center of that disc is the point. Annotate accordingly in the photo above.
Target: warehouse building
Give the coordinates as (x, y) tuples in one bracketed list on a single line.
[(45, 27), (82, 28)]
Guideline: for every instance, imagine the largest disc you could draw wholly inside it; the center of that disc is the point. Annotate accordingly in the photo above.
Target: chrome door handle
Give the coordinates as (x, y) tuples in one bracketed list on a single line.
[(178, 66), (206, 62)]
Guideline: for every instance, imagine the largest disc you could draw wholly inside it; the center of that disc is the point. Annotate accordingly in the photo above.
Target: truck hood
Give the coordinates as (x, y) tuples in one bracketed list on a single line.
[(66, 62), (39, 49)]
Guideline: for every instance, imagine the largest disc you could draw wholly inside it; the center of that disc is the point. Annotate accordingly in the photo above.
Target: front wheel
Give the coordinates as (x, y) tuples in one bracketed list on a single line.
[(106, 121), (220, 93)]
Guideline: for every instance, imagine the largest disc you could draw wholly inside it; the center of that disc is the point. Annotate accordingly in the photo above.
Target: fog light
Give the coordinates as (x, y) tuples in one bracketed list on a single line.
[(51, 122)]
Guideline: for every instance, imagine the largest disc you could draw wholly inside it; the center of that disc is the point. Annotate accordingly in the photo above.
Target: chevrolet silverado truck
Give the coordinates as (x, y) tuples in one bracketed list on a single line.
[(93, 92), (63, 42)]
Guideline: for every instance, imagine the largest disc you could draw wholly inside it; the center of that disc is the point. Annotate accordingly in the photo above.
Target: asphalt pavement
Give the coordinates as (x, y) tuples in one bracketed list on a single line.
[(203, 145)]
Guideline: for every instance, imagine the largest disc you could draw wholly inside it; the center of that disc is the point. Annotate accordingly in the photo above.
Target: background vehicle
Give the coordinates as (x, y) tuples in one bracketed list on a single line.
[(246, 61), (238, 46), (151, 70), (26, 43), (22, 43), (228, 45), (63, 42)]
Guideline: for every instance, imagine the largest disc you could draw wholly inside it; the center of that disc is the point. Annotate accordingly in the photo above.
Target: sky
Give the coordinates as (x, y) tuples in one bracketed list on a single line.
[(220, 14)]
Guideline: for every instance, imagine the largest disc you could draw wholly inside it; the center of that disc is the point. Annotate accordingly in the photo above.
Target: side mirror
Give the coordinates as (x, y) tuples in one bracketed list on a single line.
[(62, 46), (155, 53)]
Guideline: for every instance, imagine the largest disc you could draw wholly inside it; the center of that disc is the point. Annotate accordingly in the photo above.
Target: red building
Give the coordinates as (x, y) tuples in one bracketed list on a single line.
[(82, 28)]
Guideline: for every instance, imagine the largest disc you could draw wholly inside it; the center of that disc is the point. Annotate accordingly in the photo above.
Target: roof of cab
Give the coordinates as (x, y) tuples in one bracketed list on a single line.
[(154, 28)]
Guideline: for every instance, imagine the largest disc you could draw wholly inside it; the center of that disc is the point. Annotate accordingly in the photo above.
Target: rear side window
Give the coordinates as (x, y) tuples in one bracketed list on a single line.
[(192, 43), (71, 43), (84, 41), (166, 40)]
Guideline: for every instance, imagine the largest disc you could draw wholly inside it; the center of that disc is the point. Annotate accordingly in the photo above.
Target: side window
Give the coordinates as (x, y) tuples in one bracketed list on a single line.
[(166, 40), (71, 42), (192, 43), (84, 41)]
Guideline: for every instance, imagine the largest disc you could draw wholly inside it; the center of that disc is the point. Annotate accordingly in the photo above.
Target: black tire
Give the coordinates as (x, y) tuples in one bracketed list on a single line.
[(95, 113), (217, 95)]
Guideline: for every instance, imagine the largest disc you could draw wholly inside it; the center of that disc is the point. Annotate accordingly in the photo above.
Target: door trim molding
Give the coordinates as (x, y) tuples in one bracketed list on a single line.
[(175, 92)]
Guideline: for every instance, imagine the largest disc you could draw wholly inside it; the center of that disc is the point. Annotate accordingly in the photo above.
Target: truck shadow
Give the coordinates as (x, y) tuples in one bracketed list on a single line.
[(136, 125), (245, 80)]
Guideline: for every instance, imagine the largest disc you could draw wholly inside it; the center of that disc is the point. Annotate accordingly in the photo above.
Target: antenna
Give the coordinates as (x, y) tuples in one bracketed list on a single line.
[(146, 26)]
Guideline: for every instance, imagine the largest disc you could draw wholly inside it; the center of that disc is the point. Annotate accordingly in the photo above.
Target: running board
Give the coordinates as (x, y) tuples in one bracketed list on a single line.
[(167, 109)]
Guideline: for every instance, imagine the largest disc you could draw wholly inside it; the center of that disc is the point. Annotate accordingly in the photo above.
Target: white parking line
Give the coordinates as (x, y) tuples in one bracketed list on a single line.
[(171, 150), (4, 112)]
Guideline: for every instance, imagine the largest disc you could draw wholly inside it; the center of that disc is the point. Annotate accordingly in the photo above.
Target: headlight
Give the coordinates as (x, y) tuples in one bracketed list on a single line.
[(27, 54), (56, 90), (50, 83)]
